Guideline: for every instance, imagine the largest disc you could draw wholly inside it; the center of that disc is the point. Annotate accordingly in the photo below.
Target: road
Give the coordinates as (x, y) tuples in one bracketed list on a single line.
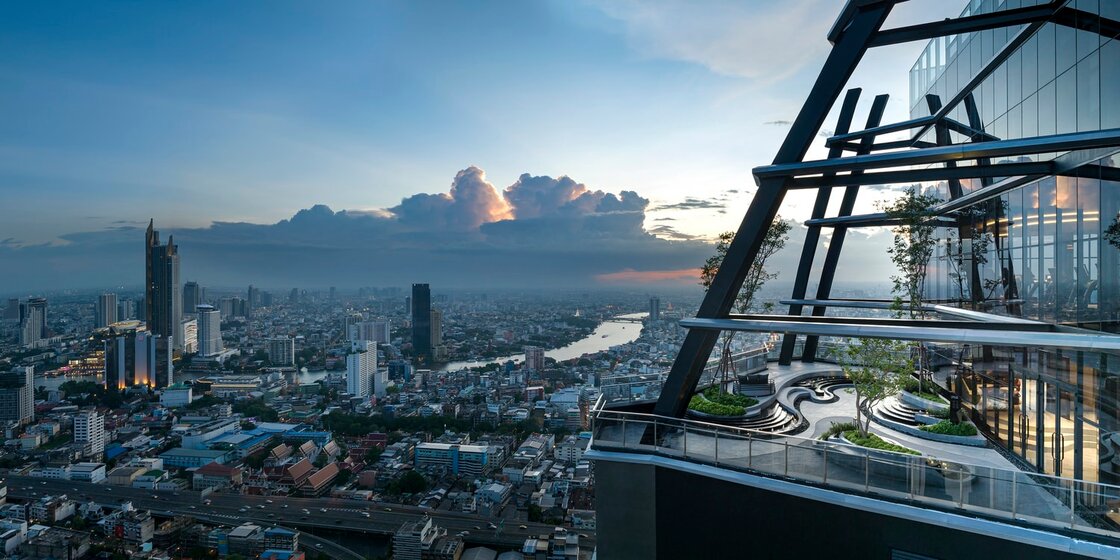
[(304, 513)]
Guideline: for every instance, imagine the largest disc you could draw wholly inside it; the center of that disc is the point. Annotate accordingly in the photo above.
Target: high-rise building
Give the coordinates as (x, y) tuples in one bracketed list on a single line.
[(282, 351), (437, 328), (534, 358), (190, 333), (333, 293), (33, 321), (192, 296), (209, 331), (266, 299), (293, 296), (1008, 165), (106, 313), (136, 357), (361, 365), (350, 326), (11, 312), (126, 310), (380, 331), (163, 297), (17, 396), (654, 309), (422, 323), (252, 299), (89, 429)]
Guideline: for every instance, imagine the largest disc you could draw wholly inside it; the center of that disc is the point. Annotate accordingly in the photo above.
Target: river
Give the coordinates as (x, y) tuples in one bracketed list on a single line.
[(609, 333)]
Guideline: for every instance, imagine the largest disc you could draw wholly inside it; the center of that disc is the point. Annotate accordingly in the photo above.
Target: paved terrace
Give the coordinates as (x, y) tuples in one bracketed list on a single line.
[(961, 479)]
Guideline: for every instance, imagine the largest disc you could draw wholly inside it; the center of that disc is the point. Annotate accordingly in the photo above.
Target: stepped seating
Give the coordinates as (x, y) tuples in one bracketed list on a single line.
[(894, 410), (823, 387), (774, 420)]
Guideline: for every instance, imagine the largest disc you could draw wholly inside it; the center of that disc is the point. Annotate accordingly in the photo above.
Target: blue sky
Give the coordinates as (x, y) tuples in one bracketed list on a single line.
[(200, 112)]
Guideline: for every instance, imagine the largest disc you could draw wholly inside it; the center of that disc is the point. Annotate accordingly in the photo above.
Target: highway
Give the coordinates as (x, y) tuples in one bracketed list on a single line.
[(304, 513)]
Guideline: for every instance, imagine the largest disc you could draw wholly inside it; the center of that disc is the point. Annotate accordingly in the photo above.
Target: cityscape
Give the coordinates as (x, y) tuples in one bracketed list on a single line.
[(887, 326)]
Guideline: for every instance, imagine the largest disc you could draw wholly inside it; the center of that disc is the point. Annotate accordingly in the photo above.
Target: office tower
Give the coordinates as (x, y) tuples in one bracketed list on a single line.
[(334, 293), (192, 296), (266, 299), (209, 331), (190, 334), (293, 296), (126, 310), (282, 351), (11, 312), (422, 323), (136, 357), (163, 297), (361, 365), (400, 369), (252, 300), (534, 358), (33, 321), (106, 312), (89, 429), (654, 309), (1014, 132), (437, 328), (17, 396)]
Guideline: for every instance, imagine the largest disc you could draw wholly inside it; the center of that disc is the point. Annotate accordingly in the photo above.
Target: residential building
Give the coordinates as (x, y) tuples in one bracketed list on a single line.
[(163, 297), (414, 538), (131, 525), (209, 331), (106, 312), (56, 543), (134, 356), (192, 296), (361, 366), (654, 309), (33, 322), (534, 358), (282, 351), (89, 429)]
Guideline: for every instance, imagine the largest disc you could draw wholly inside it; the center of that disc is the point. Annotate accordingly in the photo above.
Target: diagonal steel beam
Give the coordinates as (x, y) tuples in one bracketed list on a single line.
[(967, 24), (813, 233), (842, 60), (836, 242)]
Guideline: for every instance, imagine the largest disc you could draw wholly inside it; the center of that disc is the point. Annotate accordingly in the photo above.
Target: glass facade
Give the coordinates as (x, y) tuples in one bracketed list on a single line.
[(1048, 250)]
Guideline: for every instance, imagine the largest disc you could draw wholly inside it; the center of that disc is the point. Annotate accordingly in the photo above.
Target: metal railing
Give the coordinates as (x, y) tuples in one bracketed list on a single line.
[(1037, 500), (628, 388)]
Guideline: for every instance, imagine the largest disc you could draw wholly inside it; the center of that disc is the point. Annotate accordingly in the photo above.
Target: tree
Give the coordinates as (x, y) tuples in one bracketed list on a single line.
[(876, 368), (409, 483), (912, 246), (373, 455), (757, 275)]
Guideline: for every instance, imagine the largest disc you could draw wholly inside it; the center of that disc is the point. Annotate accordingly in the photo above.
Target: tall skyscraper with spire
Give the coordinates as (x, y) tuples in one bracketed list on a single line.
[(163, 299)]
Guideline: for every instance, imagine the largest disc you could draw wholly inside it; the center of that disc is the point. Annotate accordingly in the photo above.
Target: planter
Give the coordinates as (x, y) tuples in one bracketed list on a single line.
[(915, 401)]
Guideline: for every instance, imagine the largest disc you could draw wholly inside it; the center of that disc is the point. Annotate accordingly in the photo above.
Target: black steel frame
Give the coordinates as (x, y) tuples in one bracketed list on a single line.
[(857, 29)]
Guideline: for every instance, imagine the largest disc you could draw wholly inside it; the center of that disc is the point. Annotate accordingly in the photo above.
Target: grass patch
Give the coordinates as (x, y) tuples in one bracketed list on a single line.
[(948, 428), (838, 428), (873, 441), (911, 385)]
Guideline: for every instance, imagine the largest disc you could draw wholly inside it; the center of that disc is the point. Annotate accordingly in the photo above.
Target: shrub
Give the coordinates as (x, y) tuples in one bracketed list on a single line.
[(838, 428), (715, 395), (948, 428), (939, 413), (873, 441), (909, 384), (700, 404)]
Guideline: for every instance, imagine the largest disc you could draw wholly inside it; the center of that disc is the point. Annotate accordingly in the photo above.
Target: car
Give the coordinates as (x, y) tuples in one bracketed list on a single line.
[(260, 506), (491, 526), (44, 483), (464, 533), (322, 510), (477, 528), (284, 505), (268, 501), (304, 518), (365, 514), (584, 536), (388, 509), (207, 502), (522, 526), (319, 545), (272, 515), (192, 507), (74, 489)]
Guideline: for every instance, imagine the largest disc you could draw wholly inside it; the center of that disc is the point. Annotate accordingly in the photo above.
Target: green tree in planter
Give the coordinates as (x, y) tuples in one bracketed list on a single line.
[(876, 368), (756, 277), (911, 249)]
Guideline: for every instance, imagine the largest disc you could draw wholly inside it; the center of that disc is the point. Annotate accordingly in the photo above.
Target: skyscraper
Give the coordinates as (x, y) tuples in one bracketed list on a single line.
[(126, 310), (89, 429), (361, 365), (106, 310), (437, 328), (11, 312), (32, 321), (192, 296), (654, 309), (422, 323), (163, 298), (252, 299), (534, 358), (209, 330), (17, 395)]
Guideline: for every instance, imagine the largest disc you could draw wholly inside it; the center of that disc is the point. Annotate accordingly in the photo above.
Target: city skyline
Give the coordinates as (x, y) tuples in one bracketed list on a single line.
[(361, 120)]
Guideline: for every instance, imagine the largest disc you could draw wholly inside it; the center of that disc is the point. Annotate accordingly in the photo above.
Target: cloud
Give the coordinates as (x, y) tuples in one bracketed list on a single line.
[(692, 203), (471, 202), (734, 38), (778, 123), (630, 276), (669, 232)]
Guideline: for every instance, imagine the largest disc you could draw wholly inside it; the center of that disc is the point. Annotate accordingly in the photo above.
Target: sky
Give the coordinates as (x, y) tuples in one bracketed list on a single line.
[(363, 143)]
